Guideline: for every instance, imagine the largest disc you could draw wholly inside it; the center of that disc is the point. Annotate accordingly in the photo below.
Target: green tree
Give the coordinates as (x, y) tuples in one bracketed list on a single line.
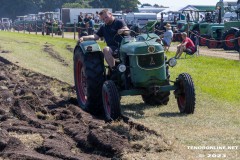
[(13, 8)]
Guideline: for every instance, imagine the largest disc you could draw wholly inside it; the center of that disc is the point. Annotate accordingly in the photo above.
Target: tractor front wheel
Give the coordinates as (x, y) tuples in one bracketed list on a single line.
[(185, 94), (111, 101)]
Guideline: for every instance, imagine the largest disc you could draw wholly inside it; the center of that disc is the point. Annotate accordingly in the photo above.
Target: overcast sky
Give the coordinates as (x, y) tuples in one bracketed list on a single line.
[(181, 3)]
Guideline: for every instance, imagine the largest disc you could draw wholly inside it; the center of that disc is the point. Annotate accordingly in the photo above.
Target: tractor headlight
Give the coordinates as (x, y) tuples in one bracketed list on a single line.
[(122, 68), (172, 62)]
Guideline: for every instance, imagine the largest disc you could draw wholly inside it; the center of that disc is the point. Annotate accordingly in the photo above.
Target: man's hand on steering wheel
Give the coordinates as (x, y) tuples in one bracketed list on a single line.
[(120, 31), (80, 40)]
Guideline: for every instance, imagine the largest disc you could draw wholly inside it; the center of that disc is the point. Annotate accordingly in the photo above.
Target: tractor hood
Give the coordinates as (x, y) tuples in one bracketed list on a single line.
[(141, 48)]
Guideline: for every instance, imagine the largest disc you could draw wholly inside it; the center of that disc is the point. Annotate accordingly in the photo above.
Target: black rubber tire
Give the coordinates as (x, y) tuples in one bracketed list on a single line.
[(237, 41), (161, 98), (111, 100), (178, 37), (230, 34), (89, 78), (212, 43), (185, 94), (203, 39)]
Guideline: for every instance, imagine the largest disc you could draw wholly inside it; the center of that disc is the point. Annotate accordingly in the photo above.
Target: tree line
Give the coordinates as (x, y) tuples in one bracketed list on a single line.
[(13, 8)]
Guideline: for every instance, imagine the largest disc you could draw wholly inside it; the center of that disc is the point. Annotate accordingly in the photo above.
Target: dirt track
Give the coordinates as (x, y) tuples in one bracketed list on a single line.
[(40, 119)]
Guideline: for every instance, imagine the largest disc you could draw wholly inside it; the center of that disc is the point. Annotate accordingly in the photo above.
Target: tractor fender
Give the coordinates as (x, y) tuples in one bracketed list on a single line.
[(235, 29), (88, 47)]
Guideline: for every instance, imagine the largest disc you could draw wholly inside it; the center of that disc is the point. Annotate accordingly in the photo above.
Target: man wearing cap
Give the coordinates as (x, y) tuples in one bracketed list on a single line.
[(187, 46), (167, 36)]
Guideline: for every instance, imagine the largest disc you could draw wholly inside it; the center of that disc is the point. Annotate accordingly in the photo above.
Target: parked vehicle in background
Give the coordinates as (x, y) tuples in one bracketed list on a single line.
[(69, 16), (139, 19), (45, 22), (5, 24), (227, 35)]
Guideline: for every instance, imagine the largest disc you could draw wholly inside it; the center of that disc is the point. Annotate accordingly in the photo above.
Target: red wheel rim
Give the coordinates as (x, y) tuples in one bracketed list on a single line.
[(181, 98), (212, 44), (81, 82), (182, 101), (203, 41), (228, 42), (106, 103)]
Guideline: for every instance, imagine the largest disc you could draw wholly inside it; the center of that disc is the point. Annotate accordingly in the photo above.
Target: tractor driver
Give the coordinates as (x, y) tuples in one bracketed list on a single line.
[(111, 31)]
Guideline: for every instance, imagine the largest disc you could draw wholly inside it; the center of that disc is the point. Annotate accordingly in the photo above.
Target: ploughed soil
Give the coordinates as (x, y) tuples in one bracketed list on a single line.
[(40, 119)]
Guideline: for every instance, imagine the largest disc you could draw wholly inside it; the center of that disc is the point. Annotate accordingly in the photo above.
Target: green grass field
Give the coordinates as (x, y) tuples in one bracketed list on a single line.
[(216, 119)]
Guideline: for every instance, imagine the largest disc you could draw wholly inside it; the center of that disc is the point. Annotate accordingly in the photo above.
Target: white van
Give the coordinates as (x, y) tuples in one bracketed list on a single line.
[(140, 19)]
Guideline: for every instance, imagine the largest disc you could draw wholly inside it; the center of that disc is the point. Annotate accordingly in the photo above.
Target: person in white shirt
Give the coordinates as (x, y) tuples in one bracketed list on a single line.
[(167, 36)]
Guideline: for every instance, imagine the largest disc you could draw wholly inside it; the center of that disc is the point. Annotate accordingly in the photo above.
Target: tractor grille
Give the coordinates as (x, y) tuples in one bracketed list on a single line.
[(151, 61)]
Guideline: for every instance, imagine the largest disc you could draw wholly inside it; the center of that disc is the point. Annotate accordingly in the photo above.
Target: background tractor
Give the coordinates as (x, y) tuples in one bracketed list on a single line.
[(142, 69), (232, 29), (223, 31)]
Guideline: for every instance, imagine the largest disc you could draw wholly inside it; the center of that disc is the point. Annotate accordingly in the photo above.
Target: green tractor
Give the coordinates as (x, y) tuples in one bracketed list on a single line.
[(51, 24), (224, 34), (231, 32), (142, 69), (210, 34), (193, 20)]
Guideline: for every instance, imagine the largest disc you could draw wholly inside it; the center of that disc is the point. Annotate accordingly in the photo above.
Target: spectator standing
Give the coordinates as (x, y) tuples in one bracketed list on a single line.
[(96, 18), (167, 36), (86, 18), (187, 45), (80, 18), (90, 26)]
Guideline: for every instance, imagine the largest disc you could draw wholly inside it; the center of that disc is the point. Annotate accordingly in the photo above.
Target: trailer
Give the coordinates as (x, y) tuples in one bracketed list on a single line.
[(70, 15), (140, 19)]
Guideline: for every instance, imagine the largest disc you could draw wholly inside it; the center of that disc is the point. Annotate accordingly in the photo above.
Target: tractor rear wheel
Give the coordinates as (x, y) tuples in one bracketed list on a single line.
[(227, 37), (237, 41), (185, 94), (212, 43), (111, 100), (89, 77), (203, 39)]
